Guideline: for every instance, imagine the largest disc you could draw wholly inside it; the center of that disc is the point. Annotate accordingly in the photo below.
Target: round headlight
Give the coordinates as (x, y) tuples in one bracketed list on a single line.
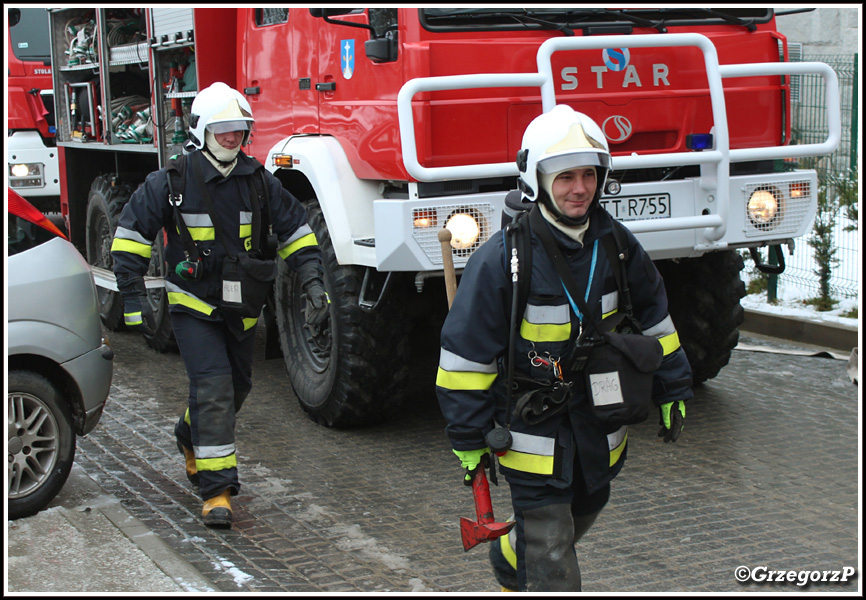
[(464, 230), (763, 208), (19, 170)]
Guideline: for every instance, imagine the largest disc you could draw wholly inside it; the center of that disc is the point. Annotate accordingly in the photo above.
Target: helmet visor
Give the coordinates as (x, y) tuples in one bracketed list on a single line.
[(574, 160), (227, 126)]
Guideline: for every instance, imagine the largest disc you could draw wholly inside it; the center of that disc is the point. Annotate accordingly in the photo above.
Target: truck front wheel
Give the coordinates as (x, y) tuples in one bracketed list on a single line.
[(704, 302), (104, 203), (356, 372)]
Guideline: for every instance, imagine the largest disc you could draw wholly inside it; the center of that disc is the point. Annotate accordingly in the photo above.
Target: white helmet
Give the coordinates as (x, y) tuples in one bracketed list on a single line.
[(559, 140), (219, 109)]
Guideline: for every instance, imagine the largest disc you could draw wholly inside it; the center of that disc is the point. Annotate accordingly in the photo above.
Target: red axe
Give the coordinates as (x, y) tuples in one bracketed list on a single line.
[(485, 529)]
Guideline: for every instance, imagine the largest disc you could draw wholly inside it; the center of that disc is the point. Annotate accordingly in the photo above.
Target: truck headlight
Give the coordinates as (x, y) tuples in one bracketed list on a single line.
[(764, 207), (465, 230), (25, 175)]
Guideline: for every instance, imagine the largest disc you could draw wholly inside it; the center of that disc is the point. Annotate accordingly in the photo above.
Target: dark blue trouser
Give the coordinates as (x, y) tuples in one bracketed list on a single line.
[(219, 367)]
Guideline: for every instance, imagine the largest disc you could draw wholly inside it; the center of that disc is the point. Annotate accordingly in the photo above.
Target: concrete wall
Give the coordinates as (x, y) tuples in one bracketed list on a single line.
[(826, 30)]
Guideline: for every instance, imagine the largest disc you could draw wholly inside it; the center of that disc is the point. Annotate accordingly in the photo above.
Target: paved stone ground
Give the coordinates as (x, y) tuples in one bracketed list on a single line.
[(766, 474)]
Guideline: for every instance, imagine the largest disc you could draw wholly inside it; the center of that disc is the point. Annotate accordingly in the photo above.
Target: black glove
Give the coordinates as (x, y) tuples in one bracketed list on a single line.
[(316, 313), (672, 418), (137, 313)]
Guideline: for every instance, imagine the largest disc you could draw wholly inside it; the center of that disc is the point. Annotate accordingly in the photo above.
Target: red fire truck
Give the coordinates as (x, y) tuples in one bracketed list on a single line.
[(390, 124), (32, 165)]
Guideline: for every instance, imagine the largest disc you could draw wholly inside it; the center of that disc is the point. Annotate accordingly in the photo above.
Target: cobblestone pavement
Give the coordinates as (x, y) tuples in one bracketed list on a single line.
[(766, 474)]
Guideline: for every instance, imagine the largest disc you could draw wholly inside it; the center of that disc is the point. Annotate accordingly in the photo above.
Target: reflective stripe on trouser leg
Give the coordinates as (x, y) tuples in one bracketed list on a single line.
[(212, 416)]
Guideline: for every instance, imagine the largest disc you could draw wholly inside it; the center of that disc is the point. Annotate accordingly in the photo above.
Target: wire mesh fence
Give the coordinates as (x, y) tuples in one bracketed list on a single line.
[(838, 176)]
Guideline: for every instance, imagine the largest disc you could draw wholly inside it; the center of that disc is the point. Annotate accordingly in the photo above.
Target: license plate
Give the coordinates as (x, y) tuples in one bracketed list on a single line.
[(633, 208)]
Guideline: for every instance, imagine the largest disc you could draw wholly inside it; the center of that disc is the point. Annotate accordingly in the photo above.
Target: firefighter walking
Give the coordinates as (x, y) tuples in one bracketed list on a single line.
[(216, 218), (561, 460)]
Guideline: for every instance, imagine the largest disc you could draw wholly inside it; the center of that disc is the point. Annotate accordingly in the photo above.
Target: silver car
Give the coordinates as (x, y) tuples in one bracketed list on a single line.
[(60, 367)]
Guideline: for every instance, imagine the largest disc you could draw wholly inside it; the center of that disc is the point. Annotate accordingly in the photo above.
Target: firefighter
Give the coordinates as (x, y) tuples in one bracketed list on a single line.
[(216, 346), (559, 469)]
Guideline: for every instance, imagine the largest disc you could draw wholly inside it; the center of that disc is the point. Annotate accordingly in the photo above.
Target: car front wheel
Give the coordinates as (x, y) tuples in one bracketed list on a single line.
[(41, 445)]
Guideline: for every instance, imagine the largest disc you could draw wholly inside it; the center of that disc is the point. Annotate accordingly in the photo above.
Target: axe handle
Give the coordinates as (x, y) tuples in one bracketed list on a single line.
[(481, 493), (448, 265)]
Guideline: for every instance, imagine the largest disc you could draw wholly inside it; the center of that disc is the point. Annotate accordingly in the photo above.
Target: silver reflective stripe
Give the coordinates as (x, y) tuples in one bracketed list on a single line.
[(246, 217), (197, 219), (532, 444), (615, 439), (299, 233), (452, 362), (203, 452), (609, 302), (130, 234), (557, 315), (665, 327)]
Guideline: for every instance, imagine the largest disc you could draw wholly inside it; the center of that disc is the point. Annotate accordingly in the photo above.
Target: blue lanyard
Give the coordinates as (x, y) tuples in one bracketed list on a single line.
[(588, 284)]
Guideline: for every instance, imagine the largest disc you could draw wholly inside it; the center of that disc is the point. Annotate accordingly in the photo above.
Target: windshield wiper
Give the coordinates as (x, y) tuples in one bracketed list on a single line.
[(526, 19), (640, 21), (747, 23)]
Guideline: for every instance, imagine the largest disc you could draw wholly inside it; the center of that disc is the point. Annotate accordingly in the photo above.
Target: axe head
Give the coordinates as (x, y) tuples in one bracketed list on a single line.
[(474, 533)]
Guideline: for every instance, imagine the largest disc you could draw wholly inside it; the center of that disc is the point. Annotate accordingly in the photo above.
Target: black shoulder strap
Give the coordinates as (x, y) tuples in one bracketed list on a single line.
[(616, 248), (176, 170), (259, 200)]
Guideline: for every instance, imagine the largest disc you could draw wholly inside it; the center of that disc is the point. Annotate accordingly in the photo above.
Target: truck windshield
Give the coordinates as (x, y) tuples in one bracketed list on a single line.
[(565, 20), (29, 37)]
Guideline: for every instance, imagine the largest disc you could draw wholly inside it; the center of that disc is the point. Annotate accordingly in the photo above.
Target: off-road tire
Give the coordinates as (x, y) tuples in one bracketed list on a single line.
[(704, 302), (41, 442), (105, 201), (357, 374)]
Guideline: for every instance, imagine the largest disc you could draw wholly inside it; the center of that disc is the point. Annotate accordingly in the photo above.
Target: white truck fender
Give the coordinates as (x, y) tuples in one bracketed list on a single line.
[(346, 201)]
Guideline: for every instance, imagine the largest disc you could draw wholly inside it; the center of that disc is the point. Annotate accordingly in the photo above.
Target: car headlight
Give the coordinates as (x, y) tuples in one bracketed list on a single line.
[(25, 175)]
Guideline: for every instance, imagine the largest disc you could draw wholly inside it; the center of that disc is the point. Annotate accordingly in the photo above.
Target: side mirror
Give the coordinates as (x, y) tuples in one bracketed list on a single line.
[(381, 50)]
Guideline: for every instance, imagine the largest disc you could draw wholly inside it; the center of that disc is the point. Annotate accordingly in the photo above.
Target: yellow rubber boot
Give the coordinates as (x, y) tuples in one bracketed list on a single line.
[(189, 459), (217, 511)]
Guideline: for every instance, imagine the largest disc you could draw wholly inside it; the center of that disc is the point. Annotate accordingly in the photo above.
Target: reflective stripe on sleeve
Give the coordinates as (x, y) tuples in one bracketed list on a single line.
[(129, 240), (302, 238), (458, 373), (666, 334)]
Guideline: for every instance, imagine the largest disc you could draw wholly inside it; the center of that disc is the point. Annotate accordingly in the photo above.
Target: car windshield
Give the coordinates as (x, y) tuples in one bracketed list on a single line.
[(565, 19), (28, 37)]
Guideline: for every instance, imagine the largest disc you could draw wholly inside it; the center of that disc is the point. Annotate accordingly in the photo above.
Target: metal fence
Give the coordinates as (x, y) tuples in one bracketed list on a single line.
[(836, 172)]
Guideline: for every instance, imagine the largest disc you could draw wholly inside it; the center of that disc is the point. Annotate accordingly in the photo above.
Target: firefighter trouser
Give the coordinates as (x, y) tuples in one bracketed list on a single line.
[(550, 521), (219, 367)]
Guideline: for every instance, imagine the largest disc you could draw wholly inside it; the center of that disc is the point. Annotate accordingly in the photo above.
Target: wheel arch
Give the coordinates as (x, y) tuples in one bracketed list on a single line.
[(58, 377)]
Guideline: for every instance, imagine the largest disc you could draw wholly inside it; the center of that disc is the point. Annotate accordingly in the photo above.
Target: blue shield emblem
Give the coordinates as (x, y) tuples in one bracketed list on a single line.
[(616, 59), (347, 58)]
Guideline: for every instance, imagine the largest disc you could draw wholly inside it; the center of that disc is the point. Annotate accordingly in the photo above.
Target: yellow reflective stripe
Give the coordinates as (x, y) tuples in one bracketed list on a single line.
[(303, 242), (606, 315), (201, 234), (122, 245), (528, 463), (189, 302), (248, 323), (216, 464), (670, 342), (616, 452), (186, 417), (507, 551), (246, 231), (545, 332), (464, 380)]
